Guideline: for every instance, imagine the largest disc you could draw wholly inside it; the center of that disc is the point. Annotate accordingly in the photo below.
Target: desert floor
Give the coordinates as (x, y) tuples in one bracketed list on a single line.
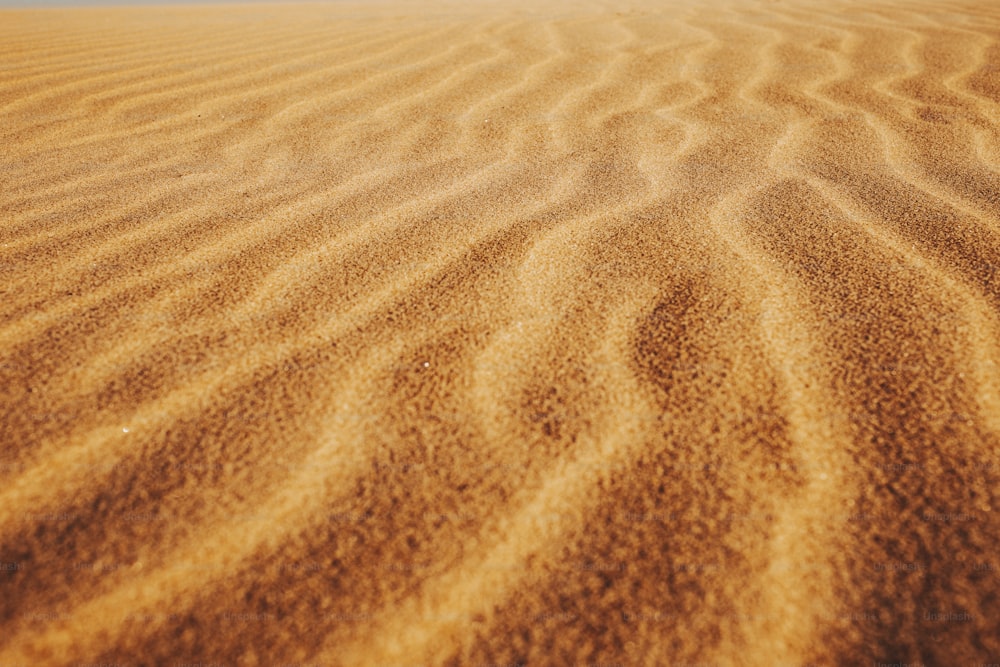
[(487, 334)]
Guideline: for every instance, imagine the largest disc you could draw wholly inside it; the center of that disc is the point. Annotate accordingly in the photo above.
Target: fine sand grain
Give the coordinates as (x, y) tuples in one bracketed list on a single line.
[(475, 334)]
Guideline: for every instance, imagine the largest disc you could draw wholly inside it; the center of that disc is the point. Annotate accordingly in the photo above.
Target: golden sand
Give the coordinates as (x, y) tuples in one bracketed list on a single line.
[(541, 333)]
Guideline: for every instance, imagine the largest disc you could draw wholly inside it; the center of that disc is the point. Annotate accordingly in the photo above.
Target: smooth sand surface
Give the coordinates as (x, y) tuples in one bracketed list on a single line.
[(545, 334)]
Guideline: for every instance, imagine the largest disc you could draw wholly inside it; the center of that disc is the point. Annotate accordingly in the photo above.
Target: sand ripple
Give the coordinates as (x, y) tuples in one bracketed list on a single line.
[(479, 335)]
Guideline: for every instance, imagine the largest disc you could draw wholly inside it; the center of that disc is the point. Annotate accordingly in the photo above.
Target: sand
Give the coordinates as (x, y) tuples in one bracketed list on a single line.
[(494, 334)]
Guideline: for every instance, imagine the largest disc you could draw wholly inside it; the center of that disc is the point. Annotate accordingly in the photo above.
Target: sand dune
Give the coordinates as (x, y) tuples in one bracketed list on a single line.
[(569, 334)]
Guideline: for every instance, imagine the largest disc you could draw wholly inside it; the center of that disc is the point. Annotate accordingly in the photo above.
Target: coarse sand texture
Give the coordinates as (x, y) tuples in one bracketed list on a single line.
[(480, 334)]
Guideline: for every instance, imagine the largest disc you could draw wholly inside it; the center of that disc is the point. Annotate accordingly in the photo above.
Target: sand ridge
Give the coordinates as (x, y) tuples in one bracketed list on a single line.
[(481, 334)]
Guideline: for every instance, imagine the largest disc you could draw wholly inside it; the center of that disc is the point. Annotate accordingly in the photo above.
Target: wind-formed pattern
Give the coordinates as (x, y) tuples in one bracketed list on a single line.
[(487, 334)]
